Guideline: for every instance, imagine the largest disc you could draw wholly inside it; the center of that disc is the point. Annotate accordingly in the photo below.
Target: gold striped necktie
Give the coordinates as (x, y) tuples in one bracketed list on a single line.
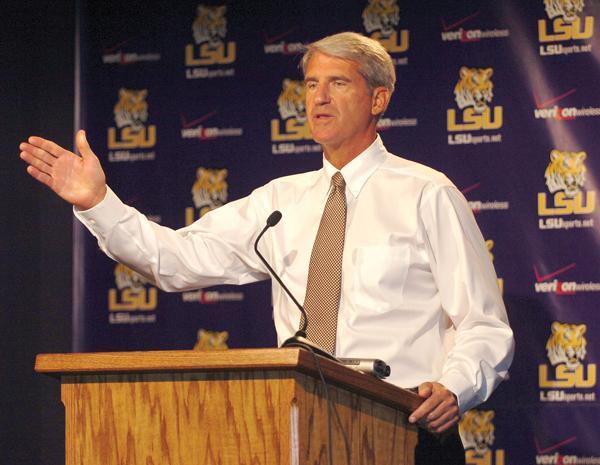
[(324, 285)]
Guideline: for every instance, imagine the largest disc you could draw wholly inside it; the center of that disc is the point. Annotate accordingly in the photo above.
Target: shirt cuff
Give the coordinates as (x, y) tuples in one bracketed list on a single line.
[(104, 216), (462, 388)]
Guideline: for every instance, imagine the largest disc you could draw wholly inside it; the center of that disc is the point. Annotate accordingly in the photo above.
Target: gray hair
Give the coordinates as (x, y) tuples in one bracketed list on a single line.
[(374, 62)]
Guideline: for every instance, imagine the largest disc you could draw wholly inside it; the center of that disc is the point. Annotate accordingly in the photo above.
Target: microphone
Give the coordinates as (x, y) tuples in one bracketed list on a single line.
[(299, 339), (273, 219)]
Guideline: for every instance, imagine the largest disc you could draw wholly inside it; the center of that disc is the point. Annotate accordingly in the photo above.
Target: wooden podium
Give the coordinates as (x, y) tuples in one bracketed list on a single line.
[(229, 407)]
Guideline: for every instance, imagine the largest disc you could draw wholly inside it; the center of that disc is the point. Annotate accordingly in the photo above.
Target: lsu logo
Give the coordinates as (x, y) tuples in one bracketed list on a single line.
[(211, 340), (209, 30), (380, 19), (566, 350), (208, 192), (131, 294), (565, 176), (566, 22), (131, 114), (477, 433), (293, 111), (489, 243), (473, 94)]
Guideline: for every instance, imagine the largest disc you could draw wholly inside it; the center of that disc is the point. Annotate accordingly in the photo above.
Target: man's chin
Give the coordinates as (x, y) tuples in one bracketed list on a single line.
[(321, 137)]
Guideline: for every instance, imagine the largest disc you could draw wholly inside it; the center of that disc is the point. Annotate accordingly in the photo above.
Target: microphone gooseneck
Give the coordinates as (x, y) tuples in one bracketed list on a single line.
[(272, 220), (299, 339)]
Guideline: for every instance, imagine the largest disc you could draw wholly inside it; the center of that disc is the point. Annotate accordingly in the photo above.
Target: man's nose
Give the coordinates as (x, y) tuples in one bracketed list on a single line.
[(322, 95)]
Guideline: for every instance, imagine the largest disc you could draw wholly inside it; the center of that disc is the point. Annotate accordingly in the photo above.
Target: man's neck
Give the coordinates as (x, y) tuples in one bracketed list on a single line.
[(344, 154)]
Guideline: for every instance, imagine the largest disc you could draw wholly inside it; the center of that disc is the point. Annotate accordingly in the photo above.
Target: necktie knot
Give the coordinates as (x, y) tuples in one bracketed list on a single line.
[(338, 181)]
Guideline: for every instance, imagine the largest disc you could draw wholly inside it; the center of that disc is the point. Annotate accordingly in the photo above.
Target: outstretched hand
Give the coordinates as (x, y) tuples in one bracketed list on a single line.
[(439, 411), (79, 180)]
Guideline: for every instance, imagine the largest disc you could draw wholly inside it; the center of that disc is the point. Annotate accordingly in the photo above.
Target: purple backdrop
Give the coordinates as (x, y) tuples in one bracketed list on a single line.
[(192, 105)]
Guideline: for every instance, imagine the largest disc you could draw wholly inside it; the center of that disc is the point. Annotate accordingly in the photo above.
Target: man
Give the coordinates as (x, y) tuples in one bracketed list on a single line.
[(416, 289)]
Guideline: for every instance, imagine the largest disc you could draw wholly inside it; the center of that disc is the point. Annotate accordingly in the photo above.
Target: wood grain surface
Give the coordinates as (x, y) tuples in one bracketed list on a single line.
[(149, 419), (363, 431), (254, 407)]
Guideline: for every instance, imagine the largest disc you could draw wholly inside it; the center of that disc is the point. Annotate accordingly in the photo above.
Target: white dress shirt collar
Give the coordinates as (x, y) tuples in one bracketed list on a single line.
[(360, 168)]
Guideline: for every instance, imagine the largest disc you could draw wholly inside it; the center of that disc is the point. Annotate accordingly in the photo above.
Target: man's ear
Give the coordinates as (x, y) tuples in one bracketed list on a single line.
[(380, 100)]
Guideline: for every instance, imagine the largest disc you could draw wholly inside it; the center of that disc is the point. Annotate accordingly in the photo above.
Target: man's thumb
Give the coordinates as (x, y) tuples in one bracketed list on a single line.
[(82, 145), (425, 389)]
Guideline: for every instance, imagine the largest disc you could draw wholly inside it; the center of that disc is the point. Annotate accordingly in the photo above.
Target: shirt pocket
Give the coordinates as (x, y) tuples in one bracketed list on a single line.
[(379, 277)]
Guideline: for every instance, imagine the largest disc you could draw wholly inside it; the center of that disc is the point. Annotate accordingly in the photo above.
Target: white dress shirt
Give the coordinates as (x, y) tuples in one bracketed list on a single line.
[(418, 287)]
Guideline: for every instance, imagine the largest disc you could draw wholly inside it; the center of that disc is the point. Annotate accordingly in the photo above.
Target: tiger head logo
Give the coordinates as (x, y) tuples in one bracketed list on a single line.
[(210, 24), (211, 340), (131, 109), (565, 172), (381, 15), (291, 100), (474, 88), (477, 430), (568, 9), (126, 278), (210, 189), (566, 345), (489, 243)]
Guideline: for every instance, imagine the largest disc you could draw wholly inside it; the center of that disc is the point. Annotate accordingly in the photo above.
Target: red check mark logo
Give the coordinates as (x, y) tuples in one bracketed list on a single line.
[(549, 276), (188, 124), (470, 188), (553, 447), (275, 38), (116, 47), (449, 27), (550, 101)]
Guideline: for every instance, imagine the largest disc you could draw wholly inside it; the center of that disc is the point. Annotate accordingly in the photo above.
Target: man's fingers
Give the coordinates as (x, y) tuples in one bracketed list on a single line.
[(46, 145), (450, 423), (40, 176), (450, 416), (423, 410), (446, 407), (36, 163), (439, 411), (36, 152), (436, 414), (425, 390)]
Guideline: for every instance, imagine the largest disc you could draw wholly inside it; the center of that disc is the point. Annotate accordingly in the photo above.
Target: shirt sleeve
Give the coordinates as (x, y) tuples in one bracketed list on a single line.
[(216, 249), (483, 345)]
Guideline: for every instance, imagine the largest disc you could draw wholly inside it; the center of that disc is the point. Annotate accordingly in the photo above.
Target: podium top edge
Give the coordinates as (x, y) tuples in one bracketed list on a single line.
[(279, 359), (166, 360)]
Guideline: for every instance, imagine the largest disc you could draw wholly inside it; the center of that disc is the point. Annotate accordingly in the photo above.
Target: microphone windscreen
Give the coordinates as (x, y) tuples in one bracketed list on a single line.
[(274, 218)]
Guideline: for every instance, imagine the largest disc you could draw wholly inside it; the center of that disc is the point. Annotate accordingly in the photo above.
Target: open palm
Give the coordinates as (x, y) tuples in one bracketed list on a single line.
[(77, 179)]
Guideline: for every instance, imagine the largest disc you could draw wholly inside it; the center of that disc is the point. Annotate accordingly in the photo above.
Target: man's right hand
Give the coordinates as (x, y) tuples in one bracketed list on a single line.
[(79, 180)]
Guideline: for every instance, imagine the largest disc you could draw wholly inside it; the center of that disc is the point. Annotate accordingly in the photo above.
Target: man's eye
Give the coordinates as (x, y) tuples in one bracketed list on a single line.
[(311, 85), (340, 83)]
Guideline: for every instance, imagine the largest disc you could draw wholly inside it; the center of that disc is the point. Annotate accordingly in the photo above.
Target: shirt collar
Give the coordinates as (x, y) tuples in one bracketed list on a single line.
[(360, 168)]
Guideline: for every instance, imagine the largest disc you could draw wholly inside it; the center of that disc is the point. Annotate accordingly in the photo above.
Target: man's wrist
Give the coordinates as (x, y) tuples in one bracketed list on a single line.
[(97, 198)]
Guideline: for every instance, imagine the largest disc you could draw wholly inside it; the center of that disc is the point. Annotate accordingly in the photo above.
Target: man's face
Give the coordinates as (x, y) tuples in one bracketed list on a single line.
[(339, 105)]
